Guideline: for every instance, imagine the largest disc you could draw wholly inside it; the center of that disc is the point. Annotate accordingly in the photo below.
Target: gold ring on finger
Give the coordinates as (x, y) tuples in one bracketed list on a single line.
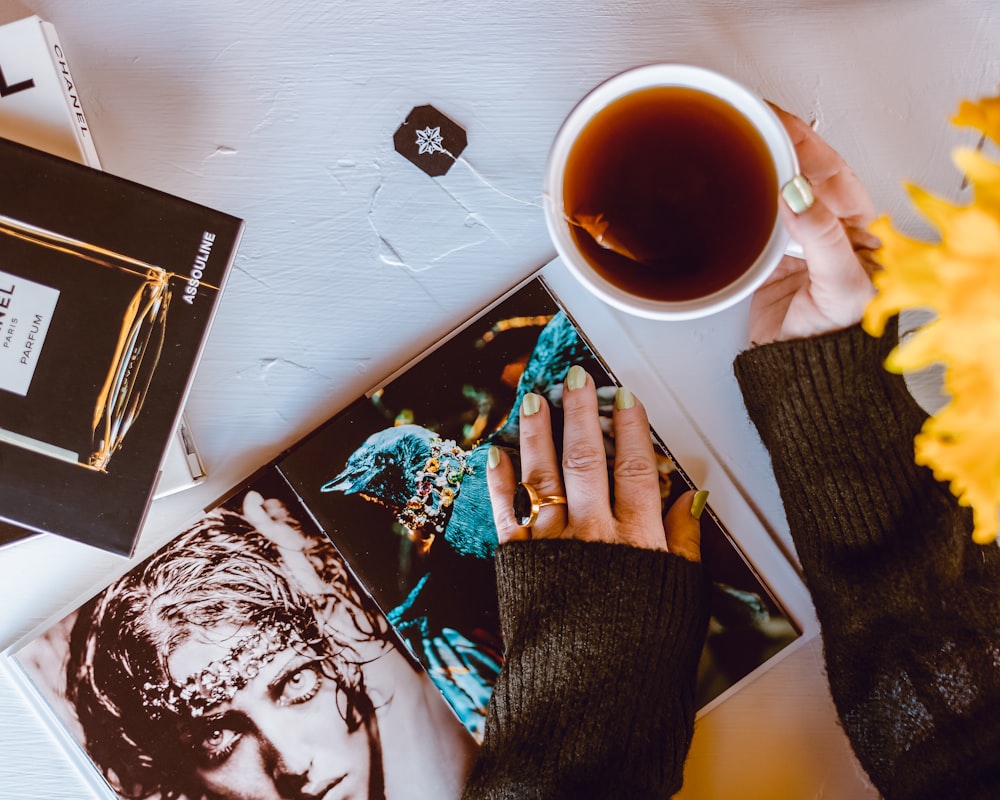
[(527, 503)]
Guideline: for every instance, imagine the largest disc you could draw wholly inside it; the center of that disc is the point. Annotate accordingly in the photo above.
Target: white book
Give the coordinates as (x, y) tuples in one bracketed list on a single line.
[(40, 106), (39, 102)]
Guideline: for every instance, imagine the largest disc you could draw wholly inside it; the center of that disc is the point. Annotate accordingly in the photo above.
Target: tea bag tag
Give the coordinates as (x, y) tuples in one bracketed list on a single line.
[(430, 140)]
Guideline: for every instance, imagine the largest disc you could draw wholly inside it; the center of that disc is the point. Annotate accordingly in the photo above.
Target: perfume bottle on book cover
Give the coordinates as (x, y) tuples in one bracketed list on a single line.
[(109, 308)]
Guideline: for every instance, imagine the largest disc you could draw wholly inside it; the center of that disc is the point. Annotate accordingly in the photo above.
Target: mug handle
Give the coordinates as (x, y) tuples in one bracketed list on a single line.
[(794, 249)]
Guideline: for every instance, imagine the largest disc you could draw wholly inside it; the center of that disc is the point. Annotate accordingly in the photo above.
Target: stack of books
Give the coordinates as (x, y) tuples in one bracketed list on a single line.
[(64, 255)]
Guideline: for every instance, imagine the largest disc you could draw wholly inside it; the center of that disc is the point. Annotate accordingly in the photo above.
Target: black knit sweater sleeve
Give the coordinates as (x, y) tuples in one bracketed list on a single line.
[(909, 607), (596, 698)]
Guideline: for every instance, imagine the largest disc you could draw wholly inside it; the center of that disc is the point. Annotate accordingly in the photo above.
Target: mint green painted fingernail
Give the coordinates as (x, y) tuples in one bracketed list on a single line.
[(576, 378), (530, 404), (624, 399), (798, 193), (493, 456), (698, 503)]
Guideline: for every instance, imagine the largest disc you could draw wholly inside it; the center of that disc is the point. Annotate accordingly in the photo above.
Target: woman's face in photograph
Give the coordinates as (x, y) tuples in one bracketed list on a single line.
[(281, 737)]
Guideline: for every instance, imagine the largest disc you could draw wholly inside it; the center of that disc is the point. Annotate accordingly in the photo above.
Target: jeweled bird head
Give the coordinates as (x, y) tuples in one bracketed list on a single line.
[(386, 466)]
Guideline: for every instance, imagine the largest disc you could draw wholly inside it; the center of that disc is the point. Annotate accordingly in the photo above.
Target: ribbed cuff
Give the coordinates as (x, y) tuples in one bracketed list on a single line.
[(907, 602), (598, 596), (602, 644), (840, 430)]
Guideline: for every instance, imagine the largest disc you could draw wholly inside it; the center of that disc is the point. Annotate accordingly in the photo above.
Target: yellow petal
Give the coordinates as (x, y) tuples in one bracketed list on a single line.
[(983, 115), (983, 176), (919, 351), (911, 277)]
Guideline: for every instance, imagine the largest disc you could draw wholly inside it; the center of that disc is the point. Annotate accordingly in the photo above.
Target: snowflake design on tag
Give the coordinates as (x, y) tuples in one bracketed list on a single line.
[(429, 140), (422, 136)]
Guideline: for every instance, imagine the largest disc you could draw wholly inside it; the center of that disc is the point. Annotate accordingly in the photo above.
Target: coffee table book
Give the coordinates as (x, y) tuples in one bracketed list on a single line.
[(40, 106), (394, 487), (107, 292)]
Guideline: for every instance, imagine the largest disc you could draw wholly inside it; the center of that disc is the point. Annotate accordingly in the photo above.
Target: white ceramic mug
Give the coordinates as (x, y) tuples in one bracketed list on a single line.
[(761, 117)]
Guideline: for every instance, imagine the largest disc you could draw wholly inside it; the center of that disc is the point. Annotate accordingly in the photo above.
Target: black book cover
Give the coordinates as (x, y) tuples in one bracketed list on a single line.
[(107, 292)]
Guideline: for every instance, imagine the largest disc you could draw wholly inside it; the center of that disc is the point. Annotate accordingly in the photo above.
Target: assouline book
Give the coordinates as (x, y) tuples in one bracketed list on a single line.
[(40, 106), (335, 615), (107, 292)]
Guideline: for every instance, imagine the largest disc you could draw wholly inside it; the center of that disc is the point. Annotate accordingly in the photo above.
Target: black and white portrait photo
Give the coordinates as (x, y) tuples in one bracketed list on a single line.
[(243, 661)]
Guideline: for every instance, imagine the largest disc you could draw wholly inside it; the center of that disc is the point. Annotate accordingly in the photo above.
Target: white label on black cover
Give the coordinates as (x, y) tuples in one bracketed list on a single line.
[(26, 310)]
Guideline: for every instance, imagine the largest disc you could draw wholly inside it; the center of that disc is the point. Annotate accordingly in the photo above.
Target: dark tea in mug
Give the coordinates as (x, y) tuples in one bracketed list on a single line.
[(671, 193), (662, 191)]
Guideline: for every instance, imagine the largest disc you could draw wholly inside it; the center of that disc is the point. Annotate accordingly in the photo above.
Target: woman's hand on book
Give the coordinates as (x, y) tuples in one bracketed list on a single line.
[(827, 210), (582, 478)]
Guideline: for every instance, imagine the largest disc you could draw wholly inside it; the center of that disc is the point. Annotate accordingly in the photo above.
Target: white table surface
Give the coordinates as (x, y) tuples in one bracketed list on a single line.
[(353, 260)]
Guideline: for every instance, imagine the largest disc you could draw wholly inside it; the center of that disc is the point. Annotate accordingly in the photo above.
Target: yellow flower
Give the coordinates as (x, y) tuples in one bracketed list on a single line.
[(958, 278)]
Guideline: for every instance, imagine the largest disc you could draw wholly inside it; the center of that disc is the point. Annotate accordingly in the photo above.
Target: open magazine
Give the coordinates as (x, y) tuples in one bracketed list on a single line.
[(338, 609)]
